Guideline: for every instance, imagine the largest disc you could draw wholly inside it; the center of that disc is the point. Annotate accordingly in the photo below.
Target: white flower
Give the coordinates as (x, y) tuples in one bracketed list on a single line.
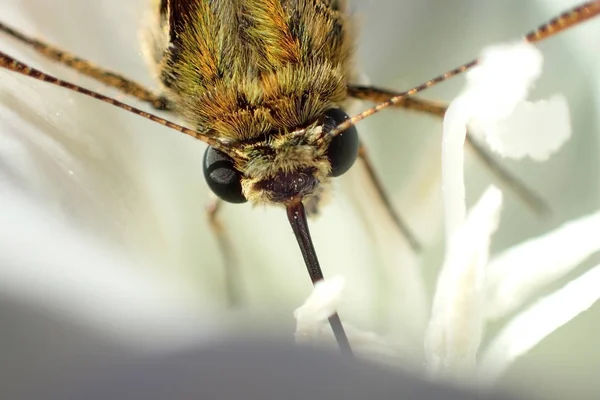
[(470, 289), (456, 325), (493, 106), (133, 191), (321, 304)]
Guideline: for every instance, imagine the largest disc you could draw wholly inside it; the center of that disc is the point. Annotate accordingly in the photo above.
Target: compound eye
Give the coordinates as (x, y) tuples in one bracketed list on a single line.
[(222, 178), (343, 148)]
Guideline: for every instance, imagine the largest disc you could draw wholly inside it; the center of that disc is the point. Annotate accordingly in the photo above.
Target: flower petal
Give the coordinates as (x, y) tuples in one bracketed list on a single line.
[(541, 319), (501, 80), (312, 316), (536, 130), (453, 160), (495, 87), (454, 333), (519, 272), (71, 273), (312, 326), (511, 126)]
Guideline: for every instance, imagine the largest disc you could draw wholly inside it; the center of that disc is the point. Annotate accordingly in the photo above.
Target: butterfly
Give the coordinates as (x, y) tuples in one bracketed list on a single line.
[(264, 84)]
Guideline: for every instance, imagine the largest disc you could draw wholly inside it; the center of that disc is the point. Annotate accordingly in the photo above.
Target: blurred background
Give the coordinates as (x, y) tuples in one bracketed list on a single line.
[(102, 221)]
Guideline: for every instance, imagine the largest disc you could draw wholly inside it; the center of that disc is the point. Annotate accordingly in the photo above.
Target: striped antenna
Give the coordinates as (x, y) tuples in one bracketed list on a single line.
[(12, 64), (564, 21)]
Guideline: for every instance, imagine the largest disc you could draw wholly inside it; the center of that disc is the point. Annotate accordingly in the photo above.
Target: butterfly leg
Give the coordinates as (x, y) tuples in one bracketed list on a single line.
[(398, 220), (506, 178), (232, 287)]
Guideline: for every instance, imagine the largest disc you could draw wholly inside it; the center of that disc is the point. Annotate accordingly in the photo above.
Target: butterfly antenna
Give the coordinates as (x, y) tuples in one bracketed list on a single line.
[(12, 64), (566, 20)]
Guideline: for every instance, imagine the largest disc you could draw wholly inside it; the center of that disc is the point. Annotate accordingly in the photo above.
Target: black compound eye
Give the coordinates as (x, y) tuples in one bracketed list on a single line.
[(343, 148), (222, 178)]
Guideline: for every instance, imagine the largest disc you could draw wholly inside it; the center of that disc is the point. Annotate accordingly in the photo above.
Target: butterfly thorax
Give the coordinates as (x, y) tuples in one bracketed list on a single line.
[(257, 75)]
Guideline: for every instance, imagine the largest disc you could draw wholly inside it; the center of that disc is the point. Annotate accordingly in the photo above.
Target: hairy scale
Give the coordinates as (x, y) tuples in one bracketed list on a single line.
[(252, 73)]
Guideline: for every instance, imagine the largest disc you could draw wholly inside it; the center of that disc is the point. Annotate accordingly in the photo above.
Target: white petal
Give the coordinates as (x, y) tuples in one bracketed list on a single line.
[(501, 81), (312, 316), (312, 325), (370, 345), (531, 326), (455, 329), (511, 126), (72, 273), (453, 155), (536, 130), (494, 88), (519, 272)]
